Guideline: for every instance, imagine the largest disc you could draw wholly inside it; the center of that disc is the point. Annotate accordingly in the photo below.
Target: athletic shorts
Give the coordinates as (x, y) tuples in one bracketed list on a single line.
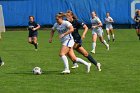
[(33, 34), (108, 27), (68, 43), (78, 41), (98, 31), (137, 26)]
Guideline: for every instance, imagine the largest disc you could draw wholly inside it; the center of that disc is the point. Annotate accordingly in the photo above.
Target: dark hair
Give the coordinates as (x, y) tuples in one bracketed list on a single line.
[(32, 17), (74, 16)]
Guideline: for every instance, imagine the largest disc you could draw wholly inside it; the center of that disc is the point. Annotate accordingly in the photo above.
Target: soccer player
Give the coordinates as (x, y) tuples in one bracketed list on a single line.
[(137, 25), (97, 31), (64, 29), (33, 27), (78, 39), (1, 62), (109, 27)]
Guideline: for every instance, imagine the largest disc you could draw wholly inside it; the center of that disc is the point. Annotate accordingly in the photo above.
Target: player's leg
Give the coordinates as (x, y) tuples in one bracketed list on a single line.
[(139, 33), (89, 57), (35, 42), (112, 33), (63, 51), (76, 59), (108, 34), (100, 34), (94, 39), (30, 40)]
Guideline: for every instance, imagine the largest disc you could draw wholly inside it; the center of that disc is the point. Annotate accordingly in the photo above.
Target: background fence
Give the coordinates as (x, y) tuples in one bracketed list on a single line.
[(16, 12)]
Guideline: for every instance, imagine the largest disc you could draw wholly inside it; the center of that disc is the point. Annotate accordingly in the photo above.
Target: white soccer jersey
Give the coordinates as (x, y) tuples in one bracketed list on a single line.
[(107, 20), (95, 21), (64, 27)]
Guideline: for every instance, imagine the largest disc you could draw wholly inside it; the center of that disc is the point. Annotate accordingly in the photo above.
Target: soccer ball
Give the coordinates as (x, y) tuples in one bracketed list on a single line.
[(37, 70)]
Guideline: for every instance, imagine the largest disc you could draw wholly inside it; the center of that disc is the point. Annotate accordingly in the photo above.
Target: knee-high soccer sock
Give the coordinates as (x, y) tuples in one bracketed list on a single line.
[(91, 59), (108, 36), (35, 44), (75, 63), (93, 45), (113, 36), (81, 61), (65, 60), (105, 43)]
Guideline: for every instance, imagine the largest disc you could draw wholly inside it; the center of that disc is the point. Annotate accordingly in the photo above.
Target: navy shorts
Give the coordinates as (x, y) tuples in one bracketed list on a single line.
[(137, 26), (78, 41), (33, 34)]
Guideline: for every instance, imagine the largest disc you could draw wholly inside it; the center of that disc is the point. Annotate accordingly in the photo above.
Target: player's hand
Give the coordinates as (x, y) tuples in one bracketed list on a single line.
[(34, 29), (94, 26), (62, 35), (83, 37), (50, 40)]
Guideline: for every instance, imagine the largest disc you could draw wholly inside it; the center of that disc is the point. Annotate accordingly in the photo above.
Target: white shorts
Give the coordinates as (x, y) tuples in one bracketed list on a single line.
[(98, 31), (68, 43), (108, 27)]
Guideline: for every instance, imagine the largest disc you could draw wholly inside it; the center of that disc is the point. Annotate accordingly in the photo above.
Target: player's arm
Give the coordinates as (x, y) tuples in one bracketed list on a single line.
[(37, 27), (135, 19), (85, 31), (111, 20), (71, 29), (51, 35), (99, 23)]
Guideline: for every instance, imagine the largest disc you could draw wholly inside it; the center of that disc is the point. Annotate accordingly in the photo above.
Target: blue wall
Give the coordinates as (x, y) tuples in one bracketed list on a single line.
[(16, 12)]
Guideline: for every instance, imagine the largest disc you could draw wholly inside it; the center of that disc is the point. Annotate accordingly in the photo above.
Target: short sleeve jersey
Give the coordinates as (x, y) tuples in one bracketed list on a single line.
[(64, 27)]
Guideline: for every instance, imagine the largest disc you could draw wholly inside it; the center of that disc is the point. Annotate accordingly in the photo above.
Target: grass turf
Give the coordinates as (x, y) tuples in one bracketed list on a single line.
[(120, 66)]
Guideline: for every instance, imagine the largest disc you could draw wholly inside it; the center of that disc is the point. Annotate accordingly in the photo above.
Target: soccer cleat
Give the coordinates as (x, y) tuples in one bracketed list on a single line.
[(113, 39), (93, 51), (107, 46), (1, 63), (88, 67), (108, 40), (75, 66), (66, 72), (99, 66)]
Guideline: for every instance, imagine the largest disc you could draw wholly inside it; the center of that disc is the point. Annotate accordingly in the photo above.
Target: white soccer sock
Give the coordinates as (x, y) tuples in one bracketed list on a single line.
[(75, 64), (108, 36), (81, 61), (65, 60), (105, 43), (93, 45), (113, 36)]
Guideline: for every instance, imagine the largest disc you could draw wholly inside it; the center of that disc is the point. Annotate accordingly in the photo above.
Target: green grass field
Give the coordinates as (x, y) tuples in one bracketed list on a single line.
[(120, 66)]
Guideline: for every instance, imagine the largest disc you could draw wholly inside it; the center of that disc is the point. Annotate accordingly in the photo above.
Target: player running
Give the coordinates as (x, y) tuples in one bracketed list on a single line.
[(78, 39), (33, 27), (97, 31), (109, 27), (137, 20), (65, 29)]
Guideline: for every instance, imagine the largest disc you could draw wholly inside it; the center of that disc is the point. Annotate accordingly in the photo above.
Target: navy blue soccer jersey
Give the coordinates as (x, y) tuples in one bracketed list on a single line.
[(76, 25), (32, 25), (137, 17)]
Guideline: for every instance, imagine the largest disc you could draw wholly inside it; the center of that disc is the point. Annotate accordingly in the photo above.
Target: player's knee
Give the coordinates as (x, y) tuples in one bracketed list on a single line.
[(30, 42), (61, 54), (85, 54), (73, 59)]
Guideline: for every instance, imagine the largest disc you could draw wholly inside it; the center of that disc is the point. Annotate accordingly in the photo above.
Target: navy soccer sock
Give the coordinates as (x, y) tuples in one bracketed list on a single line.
[(90, 58)]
